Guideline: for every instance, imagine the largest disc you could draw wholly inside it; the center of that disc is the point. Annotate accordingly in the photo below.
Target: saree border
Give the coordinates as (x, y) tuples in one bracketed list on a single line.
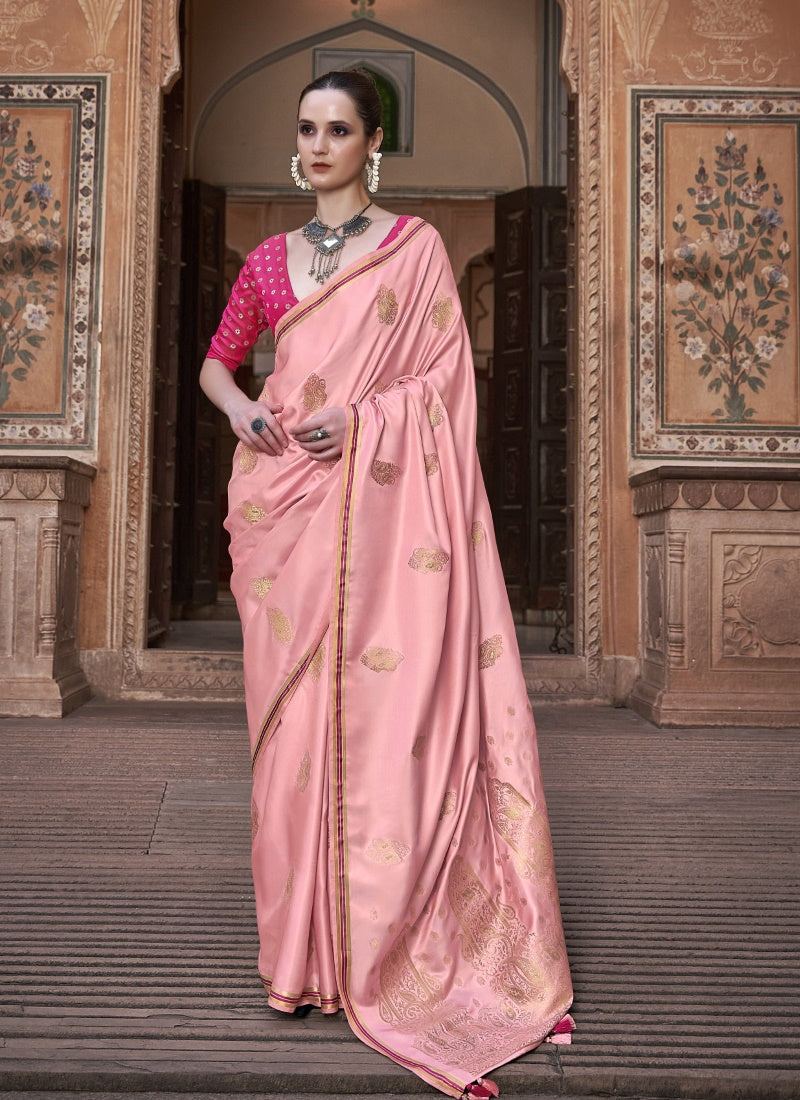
[(350, 455), (329, 1000), (356, 270), (286, 691)]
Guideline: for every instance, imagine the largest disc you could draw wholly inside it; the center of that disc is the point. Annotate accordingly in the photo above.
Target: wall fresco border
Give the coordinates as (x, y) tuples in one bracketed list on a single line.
[(74, 426), (652, 261)]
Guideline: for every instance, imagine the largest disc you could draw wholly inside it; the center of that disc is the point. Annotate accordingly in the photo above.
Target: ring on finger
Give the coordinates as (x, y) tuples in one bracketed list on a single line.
[(320, 433), (258, 425)]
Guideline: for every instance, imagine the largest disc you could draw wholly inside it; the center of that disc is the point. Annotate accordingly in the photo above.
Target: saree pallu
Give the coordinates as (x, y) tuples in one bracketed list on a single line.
[(402, 859)]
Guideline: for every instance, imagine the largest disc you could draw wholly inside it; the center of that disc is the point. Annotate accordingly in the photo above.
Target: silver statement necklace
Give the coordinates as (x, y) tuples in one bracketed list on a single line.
[(329, 241)]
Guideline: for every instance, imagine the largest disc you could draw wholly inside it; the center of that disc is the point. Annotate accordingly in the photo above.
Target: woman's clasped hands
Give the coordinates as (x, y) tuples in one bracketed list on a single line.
[(257, 424), (322, 435)]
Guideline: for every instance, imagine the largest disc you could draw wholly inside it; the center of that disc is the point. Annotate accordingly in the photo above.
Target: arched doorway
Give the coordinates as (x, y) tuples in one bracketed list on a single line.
[(573, 673)]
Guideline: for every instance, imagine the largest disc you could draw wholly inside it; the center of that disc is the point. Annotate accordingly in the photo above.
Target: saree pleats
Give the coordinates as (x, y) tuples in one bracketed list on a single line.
[(401, 852)]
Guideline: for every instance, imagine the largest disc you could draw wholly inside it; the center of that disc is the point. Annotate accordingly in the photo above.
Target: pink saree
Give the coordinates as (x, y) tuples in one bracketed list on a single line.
[(401, 852)]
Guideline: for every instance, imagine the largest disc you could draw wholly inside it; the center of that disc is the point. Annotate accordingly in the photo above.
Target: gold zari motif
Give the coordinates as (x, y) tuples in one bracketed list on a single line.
[(247, 459), (407, 994), (314, 393), (317, 663), (303, 772), (442, 313), (432, 464), (288, 889), (412, 1001), (495, 940), (251, 512), (386, 301), (254, 819), (429, 561), (261, 586), (385, 473), (435, 415), (525, 830), (381, 659), (385, 852), (478, 533), (490, 651), (448, 805), (418, 749), (281, 627)]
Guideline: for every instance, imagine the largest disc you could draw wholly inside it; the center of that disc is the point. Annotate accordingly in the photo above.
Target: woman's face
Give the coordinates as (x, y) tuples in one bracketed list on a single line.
[(331, 141)]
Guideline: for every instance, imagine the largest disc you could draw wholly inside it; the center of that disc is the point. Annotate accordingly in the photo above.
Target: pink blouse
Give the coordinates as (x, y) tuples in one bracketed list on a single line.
[(260, 296)]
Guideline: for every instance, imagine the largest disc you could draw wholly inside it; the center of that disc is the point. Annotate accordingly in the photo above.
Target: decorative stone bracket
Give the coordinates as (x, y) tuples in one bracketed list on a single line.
[(719, 561), (42, 502)]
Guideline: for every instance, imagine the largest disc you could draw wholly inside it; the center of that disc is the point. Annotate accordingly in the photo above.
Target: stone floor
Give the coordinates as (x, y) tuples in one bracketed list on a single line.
[(127, 936)]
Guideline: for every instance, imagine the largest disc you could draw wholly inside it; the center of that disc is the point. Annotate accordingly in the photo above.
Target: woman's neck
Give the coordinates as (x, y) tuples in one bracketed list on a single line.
[(338, 207)]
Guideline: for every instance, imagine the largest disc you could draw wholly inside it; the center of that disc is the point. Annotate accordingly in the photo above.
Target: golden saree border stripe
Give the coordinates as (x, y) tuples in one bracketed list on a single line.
[(372, 260), (350, 454), (281, 699), (293, 998)]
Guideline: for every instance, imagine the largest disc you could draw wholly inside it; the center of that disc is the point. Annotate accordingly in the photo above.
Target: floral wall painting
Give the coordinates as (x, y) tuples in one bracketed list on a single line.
[(729, 281), (50, 160), (31, 263), (716, 363)]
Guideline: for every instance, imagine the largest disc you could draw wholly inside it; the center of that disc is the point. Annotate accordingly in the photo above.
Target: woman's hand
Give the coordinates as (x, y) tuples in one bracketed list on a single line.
[(331, 421), (242, 413)]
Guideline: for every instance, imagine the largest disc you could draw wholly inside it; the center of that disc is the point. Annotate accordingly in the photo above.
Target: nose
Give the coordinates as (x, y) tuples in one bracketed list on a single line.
[(319, 144)]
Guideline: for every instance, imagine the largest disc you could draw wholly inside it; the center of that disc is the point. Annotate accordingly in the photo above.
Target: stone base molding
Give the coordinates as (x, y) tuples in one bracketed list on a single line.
[(719, 560), (42, 503)]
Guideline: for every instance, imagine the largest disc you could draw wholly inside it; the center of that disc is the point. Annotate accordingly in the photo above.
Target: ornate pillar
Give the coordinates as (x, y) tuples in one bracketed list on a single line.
[(42, 502), (719, 553)]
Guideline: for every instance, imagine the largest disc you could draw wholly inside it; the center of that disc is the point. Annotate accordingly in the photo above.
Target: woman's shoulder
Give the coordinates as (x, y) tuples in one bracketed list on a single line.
[(273, 245)]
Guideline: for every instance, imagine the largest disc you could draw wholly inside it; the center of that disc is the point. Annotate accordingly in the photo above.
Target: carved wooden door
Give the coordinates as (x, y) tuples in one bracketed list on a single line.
[(196, 541), (529, 450), (165, 395)]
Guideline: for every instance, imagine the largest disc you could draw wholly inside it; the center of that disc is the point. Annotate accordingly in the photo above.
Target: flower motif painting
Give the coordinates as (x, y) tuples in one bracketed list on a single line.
[(30, 235), (731, 278)]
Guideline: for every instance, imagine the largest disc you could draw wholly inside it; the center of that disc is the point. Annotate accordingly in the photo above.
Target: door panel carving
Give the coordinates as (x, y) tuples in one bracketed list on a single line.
[(165, 394), (196, 543), (529, 483)]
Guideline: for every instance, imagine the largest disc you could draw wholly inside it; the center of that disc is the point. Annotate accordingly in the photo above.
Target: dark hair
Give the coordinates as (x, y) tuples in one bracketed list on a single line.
[(361, 88)]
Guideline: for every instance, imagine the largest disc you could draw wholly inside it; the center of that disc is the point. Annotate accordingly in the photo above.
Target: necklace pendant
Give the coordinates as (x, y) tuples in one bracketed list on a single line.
[(328, 242), (331, 243)]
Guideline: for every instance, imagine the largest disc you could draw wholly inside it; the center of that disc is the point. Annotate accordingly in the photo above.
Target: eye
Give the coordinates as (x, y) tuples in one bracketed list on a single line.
[(305, 128), (340, 131)]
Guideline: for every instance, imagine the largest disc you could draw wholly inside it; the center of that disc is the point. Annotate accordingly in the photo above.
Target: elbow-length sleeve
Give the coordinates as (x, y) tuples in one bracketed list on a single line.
[(242, 322)]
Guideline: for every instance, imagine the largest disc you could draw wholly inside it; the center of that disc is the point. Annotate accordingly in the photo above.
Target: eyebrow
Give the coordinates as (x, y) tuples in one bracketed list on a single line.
[(334, 122)]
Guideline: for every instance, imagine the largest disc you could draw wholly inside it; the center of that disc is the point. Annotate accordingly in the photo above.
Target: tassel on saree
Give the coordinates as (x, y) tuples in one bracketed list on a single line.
[(562, 1032), (482, 1089)]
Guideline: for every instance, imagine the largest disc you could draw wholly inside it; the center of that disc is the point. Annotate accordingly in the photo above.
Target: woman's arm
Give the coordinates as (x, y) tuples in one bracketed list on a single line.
[(217, 383)]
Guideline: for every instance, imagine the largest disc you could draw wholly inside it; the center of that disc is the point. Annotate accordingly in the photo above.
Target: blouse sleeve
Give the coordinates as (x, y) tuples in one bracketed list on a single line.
[(242, 322)]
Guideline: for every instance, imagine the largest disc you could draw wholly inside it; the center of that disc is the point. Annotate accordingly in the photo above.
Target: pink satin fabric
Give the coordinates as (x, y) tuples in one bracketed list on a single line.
[(401, 853)]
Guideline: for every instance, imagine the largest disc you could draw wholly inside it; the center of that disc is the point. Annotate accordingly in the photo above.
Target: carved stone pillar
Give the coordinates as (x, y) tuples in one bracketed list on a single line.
[(719, 558), (42, 501)]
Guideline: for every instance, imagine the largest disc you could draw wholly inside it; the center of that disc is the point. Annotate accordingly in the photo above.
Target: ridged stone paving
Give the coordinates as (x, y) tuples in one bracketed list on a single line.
[(128, 938)]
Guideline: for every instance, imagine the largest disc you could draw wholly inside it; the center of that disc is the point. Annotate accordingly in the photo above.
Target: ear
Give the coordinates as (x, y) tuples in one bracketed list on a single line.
[(375, 140)]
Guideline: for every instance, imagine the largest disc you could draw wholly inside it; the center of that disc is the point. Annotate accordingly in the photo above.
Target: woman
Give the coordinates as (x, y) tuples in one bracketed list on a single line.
[(401, 854)]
